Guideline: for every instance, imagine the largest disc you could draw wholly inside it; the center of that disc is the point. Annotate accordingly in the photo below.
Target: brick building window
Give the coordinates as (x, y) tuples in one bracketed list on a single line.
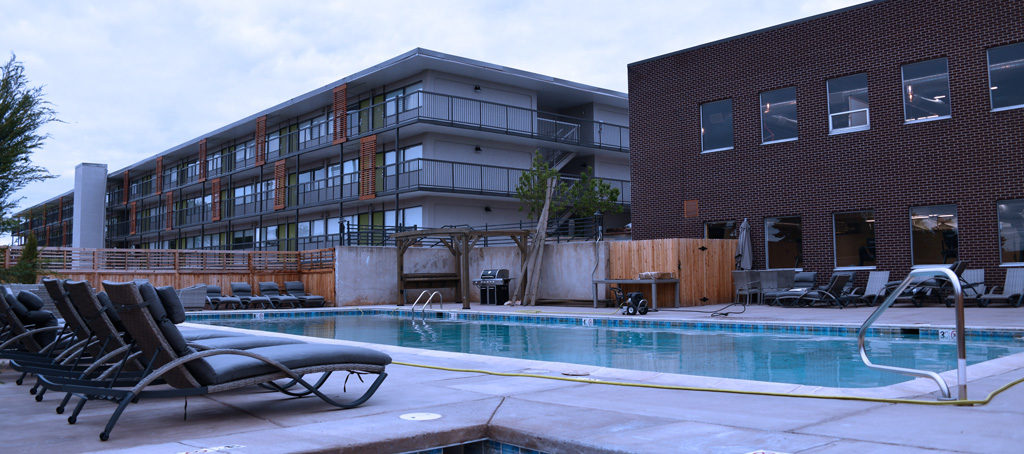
[(854, 234), (783, 237), (720, 230), (926, 90), (778, 115), (716, 126), (1006, 76), (1011, 231), (933, 234), (848, 104)]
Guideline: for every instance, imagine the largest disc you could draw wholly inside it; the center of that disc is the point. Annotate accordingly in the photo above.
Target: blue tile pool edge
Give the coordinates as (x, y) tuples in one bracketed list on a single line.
[(975, 334)]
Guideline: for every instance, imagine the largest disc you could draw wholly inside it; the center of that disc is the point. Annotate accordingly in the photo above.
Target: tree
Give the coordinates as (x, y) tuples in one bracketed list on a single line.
[(584, 198), (22, 113), (28, 267), (588, 196), (533, 184)]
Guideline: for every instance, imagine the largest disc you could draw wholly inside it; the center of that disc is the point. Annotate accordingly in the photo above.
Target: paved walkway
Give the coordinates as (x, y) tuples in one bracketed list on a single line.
[(551, 415)]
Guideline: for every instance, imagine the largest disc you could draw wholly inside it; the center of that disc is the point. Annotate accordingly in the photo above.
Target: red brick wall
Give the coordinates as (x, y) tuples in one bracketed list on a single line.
[(972, 160)]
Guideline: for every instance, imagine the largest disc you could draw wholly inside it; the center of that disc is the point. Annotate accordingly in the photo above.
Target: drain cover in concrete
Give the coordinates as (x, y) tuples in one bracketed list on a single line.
[(420, 416)]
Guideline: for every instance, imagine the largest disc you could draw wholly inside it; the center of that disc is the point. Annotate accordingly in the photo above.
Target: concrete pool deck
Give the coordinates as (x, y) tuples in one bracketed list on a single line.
[(551, 415)]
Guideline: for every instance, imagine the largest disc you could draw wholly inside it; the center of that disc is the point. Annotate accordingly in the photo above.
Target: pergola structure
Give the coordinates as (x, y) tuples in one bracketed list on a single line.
[(459, 241)]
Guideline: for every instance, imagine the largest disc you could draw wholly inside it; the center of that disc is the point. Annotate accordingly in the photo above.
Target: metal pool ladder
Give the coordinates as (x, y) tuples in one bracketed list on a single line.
[(961, 348), (430, 298)]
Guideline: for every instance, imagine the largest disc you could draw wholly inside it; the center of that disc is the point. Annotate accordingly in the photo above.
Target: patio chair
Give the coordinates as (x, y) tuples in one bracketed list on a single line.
[(1012, 290), (743, 285), (869, 294), (243, 291), (296, 289), (191, 373), (215, 299), (972, 286), (272, 291), (26, 331)]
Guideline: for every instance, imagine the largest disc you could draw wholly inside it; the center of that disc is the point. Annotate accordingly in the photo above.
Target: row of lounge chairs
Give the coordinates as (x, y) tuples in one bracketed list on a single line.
[(772, 287), (270, 296), (124, 344)]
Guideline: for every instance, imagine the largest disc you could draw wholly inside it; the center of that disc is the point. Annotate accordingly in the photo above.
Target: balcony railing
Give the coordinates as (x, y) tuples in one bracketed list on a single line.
[(488, 116), (434, 175)]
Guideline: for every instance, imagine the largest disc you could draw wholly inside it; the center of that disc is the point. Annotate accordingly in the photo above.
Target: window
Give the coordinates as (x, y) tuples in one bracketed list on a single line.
[(1006, 76), (412, 217), (854, 238), (848, 104), (783, 242), (778, 115), (720, 230), (1011, 231), (926, 90), (716, 126), (333, 226), (933, 234)]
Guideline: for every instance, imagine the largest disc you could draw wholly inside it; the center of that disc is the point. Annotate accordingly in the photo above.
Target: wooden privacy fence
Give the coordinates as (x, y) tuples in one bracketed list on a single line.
[(703, 267), (184, 268)]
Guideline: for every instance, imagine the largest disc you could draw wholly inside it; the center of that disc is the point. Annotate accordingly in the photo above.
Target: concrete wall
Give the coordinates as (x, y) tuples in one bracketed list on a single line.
[(368, 275), (451, 84), (89, 206), (439, 211), (462, 149)]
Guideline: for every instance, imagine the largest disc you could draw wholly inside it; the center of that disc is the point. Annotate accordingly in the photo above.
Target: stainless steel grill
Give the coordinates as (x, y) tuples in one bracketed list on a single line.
[(493, 285)]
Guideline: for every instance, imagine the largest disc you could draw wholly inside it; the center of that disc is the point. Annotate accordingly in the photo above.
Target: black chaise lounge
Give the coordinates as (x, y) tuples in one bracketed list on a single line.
[(216, 300), (190, 372), (296, 289), (243, 291), (271, 290)]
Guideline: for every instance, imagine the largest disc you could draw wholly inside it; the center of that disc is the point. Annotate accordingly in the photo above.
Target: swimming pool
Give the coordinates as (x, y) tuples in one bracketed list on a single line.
[(807, 355)]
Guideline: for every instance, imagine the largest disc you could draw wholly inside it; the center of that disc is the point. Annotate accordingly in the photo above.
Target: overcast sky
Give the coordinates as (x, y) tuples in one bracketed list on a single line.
[(134, 78)]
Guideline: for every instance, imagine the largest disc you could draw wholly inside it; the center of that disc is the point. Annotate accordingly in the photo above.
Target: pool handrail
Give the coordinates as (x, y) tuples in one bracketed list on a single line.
[(961, 348), (429, 300)]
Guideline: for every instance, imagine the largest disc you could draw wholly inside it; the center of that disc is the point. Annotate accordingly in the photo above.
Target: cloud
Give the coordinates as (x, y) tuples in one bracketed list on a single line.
[(131, 79)]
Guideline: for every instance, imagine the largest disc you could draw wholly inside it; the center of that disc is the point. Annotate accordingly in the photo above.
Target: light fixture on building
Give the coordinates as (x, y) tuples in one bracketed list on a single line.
[(477, 149), (487, 209), (476, 88)]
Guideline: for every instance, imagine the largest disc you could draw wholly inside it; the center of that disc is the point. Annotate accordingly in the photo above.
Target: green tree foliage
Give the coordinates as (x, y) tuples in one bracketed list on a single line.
[(588, 196), (533, 186), (28, 267), (22, 113), (585, 197)]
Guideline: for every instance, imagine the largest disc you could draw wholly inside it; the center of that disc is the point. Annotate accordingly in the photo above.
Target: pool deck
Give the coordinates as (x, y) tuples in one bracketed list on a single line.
[(552, 415)]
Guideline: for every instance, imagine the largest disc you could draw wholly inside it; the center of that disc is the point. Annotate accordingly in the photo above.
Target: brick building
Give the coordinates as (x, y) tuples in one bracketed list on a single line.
[(881, 136)]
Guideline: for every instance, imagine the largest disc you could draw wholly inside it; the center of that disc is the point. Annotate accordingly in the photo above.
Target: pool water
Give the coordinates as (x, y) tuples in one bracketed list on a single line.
[(830, 361)]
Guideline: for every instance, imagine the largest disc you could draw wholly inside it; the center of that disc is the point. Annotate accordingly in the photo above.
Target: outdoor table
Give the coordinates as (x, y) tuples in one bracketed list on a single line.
[(654, 288)]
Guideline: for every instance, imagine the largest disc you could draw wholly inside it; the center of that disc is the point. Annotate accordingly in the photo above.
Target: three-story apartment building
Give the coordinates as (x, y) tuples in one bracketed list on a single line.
[(423, 139)]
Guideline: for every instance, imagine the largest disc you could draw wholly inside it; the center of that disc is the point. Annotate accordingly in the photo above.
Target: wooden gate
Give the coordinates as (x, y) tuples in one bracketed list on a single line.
[(703, 267)]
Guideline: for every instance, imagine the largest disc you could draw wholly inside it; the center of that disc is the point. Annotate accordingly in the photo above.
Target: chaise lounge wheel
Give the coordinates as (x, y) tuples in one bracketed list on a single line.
[(104, 436), (982, 302), (72, 419), (60, 410), (1016, 302), (19, 381), (39, 397)]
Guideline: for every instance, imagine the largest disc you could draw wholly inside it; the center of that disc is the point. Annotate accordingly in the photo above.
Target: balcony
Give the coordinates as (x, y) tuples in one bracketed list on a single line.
[(487, 116), (448, 176)]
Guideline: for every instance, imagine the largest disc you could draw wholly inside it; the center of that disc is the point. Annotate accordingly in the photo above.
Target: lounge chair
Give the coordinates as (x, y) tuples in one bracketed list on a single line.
[(870, 293), (190, 373), (29, 334), (272, 291), (802, 282), (828, 294), (243, 291), (930, 288), (1012, 290), (972, 286), (216, 300), (296, 289)]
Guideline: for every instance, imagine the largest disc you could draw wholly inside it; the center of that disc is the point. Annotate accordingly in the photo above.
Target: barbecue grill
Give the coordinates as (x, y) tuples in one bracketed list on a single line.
[(493, 285)]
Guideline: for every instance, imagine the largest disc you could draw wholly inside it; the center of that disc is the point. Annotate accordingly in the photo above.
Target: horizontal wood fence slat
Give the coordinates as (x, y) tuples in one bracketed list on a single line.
[(183, 267)]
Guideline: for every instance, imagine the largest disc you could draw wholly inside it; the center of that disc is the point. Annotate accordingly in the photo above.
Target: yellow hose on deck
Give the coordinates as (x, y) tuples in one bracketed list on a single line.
[(984, 401)]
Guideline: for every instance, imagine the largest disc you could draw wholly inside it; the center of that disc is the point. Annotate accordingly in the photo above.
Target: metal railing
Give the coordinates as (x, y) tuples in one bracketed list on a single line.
[(76, 259), (449, 176), (961, 348), (489, 116)]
